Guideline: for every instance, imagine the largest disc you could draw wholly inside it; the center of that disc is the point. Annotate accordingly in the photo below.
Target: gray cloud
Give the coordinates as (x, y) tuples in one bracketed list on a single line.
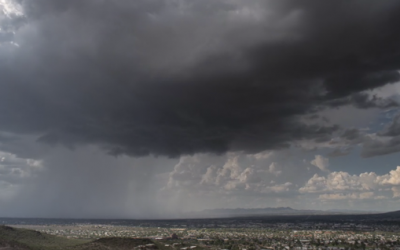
[(393, 129), (85, 183), (337, 152), (384, 142), (171, 77), (88, 183), (380, 146)]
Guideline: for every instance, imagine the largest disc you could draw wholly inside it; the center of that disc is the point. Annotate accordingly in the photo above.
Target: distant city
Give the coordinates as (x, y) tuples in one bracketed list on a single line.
[(380, 231)]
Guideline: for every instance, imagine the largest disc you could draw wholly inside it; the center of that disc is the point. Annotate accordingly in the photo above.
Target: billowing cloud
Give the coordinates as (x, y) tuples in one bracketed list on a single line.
[(181, 77), (383, 142), (393, 178), (375, 145), (339, 181), (93, 184), (351, 196), (321, 163), (228, 103), (236, 174), (392, 129), (342, 185)]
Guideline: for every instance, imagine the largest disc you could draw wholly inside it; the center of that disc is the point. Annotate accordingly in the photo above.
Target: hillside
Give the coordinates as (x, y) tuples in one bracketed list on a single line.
[(12, 245), (24, 239), (15, 238)]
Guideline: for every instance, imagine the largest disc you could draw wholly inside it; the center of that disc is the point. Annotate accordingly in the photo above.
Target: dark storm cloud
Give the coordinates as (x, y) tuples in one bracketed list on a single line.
[(353, 135), (365, 101), (393, 129), (373, 147), (384, 142), (179, 77)]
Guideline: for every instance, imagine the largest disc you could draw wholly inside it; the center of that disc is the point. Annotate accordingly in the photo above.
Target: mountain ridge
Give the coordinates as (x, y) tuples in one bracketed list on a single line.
[(275, 211)]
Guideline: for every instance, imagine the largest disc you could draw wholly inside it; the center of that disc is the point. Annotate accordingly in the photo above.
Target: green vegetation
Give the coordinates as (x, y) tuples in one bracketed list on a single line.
[(29, 239), (24, 239)]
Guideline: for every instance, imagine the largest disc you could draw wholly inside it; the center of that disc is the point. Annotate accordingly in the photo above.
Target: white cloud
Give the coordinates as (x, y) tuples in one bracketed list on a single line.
[(10, 8), (238, 174), (14, 171), (273, 169), (321, 163), (336, 181), (350, 196), (262, 178), (393, 178), (279, 188), (396, 192), (11, 14), (314, 185), (342, 185), (194, 182)]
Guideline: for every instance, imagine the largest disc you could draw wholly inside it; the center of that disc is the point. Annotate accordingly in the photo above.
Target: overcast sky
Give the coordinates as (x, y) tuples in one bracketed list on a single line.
[(155, 108)]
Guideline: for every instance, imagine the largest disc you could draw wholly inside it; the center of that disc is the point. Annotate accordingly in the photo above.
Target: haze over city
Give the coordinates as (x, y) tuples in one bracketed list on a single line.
[(165, 108)]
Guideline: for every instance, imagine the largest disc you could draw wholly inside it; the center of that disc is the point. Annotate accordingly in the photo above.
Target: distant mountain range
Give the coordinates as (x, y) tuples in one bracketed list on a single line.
[(237, 212), (251, 210), (393, 214)]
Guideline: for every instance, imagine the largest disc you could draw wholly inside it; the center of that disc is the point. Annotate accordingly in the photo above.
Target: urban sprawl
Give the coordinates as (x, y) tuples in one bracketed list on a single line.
[(243, 236)]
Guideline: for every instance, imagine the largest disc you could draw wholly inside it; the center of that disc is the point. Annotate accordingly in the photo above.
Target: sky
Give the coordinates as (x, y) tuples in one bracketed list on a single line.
[(158, 108)]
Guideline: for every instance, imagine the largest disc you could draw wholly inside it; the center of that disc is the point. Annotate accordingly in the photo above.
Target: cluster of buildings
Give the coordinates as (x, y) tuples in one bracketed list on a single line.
[(301, 240), (279, 236)]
